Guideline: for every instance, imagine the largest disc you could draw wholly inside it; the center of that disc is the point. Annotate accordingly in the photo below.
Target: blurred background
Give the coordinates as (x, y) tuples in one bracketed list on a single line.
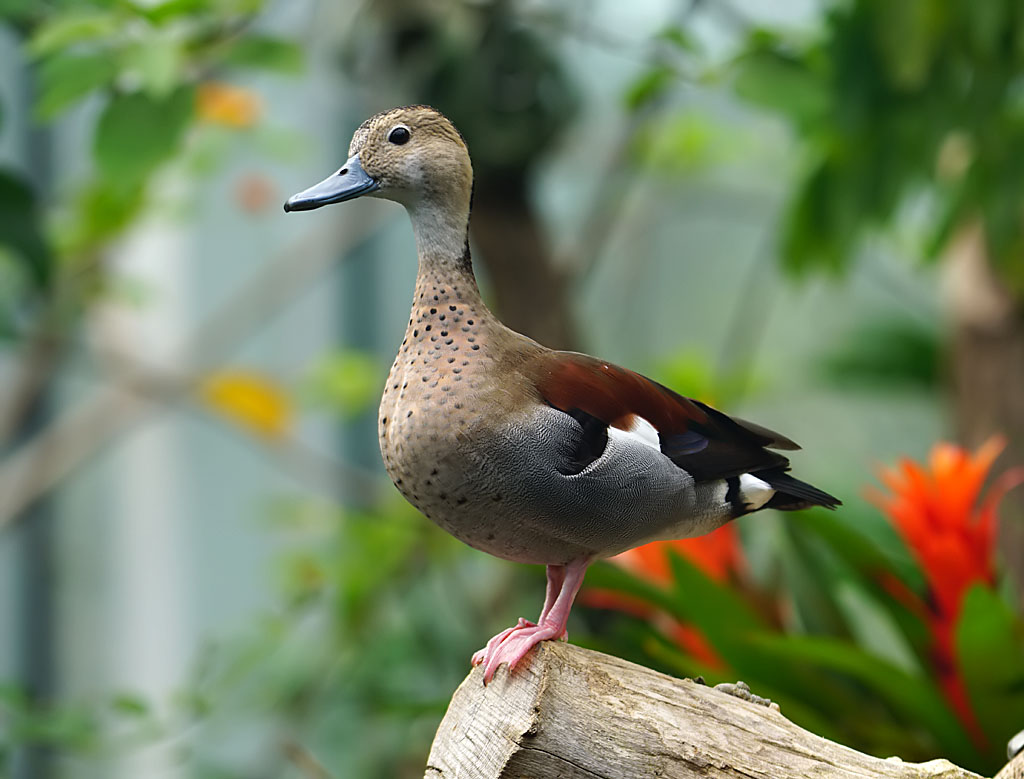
[(806, 213)]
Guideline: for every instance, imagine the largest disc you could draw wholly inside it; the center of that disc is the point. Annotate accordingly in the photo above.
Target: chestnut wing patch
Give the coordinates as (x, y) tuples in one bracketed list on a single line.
[(699, 439)]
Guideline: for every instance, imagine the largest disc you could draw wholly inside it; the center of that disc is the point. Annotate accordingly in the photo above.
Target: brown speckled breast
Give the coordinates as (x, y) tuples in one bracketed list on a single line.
[(452, 383)]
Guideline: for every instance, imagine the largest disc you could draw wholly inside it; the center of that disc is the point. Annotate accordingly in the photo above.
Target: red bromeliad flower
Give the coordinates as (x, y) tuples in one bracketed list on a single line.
[(951, 533), (717, 554)]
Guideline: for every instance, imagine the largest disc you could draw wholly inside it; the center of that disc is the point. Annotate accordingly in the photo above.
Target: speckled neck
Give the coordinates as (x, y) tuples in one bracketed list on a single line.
[(446, 305), (445, 277)]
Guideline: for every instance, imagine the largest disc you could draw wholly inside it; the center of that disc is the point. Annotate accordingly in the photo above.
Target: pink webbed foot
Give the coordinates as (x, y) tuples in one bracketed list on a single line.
[(512, 645), (481, 655), (518, 644)]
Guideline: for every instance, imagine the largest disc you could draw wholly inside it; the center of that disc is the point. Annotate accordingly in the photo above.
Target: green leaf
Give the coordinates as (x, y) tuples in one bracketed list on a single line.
[(986, 23), (20, 229), (158, 62), (909, 36), (66, 78), (256, 51), (102, 210), (707, 604), (870, 548), (71, 27), (990, 651), (887, 354), (915, 698), (822, 223), (345, 381), (694, 373), (649, 86), (173, 9), (130, 704), (13, 696), (873, 628), (609, 576), (64, 728), (136, 133), (784, 84), (683, 143), (16, 11), (678, 37)]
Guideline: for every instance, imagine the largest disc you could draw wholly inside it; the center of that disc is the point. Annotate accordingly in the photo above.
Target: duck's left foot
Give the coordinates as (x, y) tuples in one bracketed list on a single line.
[(512, 645), (481, 655), (742, 690)]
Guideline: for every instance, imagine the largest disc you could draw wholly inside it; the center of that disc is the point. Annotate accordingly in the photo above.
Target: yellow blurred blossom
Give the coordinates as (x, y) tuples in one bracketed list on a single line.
[(251, 400), (228, 105)]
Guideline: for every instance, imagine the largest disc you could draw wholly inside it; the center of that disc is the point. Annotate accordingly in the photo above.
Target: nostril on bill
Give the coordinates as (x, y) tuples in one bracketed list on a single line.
[(343, 171)]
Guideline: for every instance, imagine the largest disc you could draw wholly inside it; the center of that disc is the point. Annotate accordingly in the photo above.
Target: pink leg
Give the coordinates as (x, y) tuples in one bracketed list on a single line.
[(516, 643), (556, 575), (556, 578)]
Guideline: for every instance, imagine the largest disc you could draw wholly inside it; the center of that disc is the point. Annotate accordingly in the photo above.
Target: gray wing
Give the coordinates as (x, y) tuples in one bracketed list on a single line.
[(624, 495)]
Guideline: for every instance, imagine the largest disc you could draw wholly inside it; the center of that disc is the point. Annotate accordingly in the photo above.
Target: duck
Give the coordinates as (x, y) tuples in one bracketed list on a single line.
[(531, 454)]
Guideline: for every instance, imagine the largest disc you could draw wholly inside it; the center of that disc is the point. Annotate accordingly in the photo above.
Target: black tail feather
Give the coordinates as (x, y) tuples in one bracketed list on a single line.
[(792, 494)]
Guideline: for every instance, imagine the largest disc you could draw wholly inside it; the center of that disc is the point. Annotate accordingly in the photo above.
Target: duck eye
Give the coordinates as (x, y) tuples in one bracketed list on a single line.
[(399, 135)]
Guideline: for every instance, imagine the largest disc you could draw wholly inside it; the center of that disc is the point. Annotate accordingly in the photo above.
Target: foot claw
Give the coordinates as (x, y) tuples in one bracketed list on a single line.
[(481, 655), (515, 644)]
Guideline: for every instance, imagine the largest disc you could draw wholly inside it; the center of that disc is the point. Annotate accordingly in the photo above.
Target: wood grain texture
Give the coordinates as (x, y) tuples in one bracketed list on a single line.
[(572, 713)]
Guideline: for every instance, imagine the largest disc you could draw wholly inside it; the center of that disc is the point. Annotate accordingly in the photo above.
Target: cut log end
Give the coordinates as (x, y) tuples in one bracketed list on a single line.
[(573, 713)]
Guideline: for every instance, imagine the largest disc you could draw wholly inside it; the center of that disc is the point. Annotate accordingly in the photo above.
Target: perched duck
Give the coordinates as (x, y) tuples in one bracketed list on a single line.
[(530, 454)]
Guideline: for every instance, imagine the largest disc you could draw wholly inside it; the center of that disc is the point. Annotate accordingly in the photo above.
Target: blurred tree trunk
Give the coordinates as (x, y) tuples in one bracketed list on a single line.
[(531, 293), (987, 373)]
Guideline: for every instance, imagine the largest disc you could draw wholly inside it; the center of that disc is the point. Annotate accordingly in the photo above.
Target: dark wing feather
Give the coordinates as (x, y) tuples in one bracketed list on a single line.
[(703, 441)]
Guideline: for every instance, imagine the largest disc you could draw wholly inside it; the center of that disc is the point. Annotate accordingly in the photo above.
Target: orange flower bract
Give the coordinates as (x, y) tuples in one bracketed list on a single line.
[(937, 512), (717, 554), (951, 532)]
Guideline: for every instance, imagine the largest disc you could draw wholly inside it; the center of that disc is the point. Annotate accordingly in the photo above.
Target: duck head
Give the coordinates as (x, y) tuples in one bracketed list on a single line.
[(412, 155)]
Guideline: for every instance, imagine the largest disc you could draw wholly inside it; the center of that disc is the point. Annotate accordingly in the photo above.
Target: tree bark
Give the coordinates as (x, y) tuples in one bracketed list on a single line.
[(572, 713), (987, 373)]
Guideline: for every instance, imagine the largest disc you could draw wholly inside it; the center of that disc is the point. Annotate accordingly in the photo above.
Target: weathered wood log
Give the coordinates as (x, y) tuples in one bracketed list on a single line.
[(572, 713)]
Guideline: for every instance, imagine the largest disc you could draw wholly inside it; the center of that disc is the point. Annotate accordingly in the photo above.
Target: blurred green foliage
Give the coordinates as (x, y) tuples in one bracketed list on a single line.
[(692, 373), (356, 665), (345, 382), (886, 354), (863, 683), (894, 102), (143, 63), (378, 610), (375, 617)]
